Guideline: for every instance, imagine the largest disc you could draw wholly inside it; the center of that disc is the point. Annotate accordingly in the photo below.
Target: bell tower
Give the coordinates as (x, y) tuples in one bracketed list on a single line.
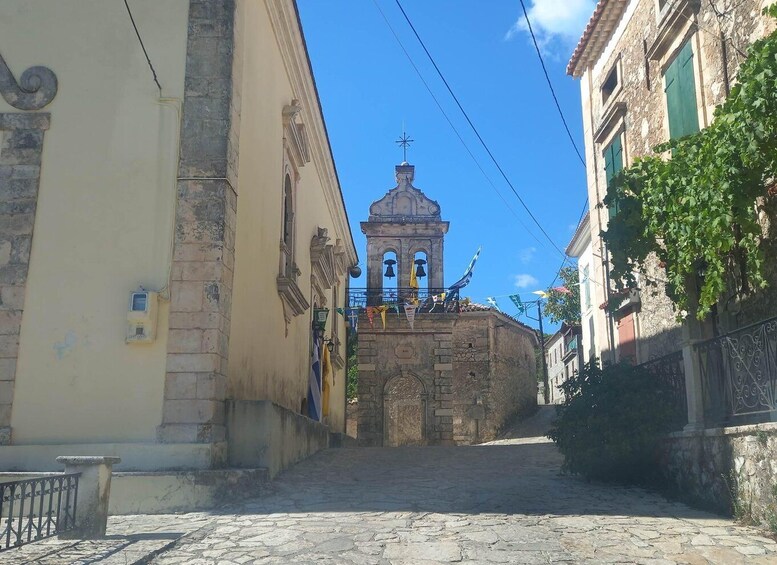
[(407, 223)]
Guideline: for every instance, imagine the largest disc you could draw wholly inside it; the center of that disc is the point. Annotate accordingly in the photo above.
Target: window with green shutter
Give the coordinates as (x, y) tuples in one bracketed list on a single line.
[(613, 164), (680, 89)]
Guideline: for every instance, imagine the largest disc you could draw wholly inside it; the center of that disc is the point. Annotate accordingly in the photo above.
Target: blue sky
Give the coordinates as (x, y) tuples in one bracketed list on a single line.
[(368, 89)]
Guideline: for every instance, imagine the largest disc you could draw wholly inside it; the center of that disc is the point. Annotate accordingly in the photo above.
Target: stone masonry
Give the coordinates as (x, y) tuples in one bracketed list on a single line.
[(203, 262), (21, 145)]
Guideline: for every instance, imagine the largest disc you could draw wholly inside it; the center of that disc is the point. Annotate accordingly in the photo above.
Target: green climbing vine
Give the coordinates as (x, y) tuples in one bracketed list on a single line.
[(698, 210)]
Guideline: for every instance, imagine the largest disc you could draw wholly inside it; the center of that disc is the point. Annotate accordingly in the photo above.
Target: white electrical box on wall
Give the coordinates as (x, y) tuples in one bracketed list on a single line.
[(141, 318)]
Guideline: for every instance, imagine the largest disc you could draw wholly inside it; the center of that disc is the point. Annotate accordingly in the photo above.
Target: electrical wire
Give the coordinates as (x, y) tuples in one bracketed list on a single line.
[(453, 127), (142, 46), (550, 84), (475, 130)]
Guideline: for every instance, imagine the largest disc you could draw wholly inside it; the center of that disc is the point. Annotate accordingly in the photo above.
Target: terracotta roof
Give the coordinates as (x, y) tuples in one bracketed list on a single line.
[(476, 307), (604, 20)]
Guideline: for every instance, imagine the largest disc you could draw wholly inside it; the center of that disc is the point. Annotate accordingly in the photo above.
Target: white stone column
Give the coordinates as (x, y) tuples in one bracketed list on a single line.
[(94, 490)]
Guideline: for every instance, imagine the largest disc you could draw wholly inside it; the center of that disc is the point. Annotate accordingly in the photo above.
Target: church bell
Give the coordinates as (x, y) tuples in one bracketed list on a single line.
[(390, 268), (420, 272)]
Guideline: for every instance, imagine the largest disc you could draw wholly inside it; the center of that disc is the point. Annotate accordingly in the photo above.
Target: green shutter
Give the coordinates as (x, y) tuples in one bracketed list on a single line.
[(613, 164), (680, 89)]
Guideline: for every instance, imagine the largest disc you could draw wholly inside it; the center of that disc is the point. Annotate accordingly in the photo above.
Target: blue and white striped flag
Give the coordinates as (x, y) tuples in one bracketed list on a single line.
[(314, 381), (464, 281)]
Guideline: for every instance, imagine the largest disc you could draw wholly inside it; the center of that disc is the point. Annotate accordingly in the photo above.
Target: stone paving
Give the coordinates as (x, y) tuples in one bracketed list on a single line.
[(504, 502)]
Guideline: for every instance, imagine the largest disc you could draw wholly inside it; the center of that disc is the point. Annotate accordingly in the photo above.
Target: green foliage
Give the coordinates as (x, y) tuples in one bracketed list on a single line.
[(698, 210), (611, 423), (563, 307), (353, 368)]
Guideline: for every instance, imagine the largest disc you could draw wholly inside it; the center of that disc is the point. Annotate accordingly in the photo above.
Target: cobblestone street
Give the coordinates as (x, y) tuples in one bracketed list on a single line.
[(499, 503)]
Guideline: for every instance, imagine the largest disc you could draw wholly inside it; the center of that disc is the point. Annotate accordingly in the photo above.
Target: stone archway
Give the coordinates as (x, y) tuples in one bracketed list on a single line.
[(404, 411)]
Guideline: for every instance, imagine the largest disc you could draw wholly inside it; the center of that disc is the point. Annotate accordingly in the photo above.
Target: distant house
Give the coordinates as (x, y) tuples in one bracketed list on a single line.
[(164, 247), (564, 357)]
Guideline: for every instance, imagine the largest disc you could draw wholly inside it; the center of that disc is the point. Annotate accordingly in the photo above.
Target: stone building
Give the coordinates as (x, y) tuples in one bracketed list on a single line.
[(457, 374), (163, 246), (650, 70)]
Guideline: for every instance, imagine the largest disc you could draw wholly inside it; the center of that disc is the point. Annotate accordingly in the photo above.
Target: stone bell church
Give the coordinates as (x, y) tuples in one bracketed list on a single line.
[(458, 372)]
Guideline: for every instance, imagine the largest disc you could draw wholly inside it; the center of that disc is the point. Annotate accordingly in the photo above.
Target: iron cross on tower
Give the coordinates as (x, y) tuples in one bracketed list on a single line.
[(404, 142)]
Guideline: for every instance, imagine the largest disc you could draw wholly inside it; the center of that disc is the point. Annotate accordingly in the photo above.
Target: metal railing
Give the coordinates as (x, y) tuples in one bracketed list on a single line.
[(739, 375), (669, 370), (34, 509), (430, 300)]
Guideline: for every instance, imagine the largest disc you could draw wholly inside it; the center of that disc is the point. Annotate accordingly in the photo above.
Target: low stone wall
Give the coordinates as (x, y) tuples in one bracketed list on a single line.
[(729, 470), (263, 434)]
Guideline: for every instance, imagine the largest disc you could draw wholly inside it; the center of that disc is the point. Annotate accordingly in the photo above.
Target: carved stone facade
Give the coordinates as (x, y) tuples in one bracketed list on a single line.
[(455, 377)]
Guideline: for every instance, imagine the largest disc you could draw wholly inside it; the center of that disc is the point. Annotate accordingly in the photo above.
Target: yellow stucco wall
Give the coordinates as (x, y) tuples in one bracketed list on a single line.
[(104, 217), (263, 362)]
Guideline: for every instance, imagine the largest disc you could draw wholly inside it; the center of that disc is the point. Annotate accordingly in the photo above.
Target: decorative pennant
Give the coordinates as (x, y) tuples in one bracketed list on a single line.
[(492, 301), (562, 290), (382, 309), (540, 293), (516, 298), (410, 310), (340, 311), (371, 316)]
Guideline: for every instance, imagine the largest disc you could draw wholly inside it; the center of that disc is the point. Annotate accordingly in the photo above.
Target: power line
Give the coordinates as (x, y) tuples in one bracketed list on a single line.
[(550, 84), (453, 127), (140, 39), (477, 133)]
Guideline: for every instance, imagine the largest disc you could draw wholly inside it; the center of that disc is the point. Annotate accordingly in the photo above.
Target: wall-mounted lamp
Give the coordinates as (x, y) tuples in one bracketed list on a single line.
[(320, 316), (330, 345), (389, 268)]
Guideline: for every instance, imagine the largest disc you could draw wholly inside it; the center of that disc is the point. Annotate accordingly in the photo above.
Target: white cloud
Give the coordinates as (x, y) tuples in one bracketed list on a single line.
[(525, 281), (560, 20), (526, 254)]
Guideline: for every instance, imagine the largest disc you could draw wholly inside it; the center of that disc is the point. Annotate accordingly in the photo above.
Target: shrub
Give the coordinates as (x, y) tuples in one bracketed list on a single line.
[(611, 423)]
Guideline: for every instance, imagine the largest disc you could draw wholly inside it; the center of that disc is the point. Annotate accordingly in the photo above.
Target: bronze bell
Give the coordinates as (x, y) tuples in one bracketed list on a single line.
[(390, 268), (420, 272)]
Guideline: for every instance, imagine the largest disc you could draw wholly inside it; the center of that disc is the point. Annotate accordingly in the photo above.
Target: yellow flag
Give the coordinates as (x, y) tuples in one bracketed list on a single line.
[(382, 309), (413, 279)]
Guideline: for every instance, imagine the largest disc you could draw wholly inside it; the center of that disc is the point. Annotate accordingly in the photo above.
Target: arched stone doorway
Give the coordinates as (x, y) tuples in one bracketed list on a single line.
[(404, 411)]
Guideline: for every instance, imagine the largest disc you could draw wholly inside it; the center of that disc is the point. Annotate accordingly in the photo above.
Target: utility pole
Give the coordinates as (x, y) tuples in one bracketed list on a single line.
[(545, 387)]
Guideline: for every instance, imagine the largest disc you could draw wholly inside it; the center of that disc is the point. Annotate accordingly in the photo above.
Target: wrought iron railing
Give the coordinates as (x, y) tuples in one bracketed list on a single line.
[(34, 509), (669, 370), (430, 300), (739, 375)]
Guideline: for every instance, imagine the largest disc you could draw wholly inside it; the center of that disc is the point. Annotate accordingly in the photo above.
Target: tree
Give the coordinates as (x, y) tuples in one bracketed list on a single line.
[(564, 305)]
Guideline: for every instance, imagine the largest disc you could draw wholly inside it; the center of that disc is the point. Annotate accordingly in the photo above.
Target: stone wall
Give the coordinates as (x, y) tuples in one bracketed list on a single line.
[(727, 470), (203, 260), (21, 146), (398, 357), (493, 375)]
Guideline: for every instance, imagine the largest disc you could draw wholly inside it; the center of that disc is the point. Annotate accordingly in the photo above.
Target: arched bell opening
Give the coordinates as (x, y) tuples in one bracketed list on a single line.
[(390, 276)]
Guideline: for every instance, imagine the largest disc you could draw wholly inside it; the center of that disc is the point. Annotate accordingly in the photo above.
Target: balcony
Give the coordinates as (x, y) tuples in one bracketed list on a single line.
[(430, 300), (570, 349)]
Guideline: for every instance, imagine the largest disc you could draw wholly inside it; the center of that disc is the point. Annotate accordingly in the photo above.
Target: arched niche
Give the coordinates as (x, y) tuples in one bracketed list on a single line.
[(404, 411)]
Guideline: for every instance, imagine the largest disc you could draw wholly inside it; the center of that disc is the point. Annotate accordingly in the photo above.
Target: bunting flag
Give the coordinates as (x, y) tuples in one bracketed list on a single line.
[(371, 315), (410, 310), (516, 298), (382, 309), (413, 278), (326, 377), (314, 380), (492, 301), (562, 290), (341, 312), (353, 318), (464, 281), (540, 293)]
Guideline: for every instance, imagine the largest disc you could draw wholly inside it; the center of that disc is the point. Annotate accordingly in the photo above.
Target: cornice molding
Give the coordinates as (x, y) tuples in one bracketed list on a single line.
[(291, 43)]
